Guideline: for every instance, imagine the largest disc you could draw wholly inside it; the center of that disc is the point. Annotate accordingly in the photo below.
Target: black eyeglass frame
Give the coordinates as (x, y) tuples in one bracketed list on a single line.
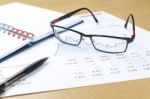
[(128, 39)]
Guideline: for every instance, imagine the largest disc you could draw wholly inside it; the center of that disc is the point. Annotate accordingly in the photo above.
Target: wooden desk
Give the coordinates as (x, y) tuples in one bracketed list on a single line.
[(136, 89)]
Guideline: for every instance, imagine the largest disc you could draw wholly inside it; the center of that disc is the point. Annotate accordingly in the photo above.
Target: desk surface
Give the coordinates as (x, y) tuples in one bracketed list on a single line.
[(135, 89)]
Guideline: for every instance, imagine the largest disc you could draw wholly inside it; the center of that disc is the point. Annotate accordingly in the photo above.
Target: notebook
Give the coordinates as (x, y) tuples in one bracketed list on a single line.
[(23, 25)]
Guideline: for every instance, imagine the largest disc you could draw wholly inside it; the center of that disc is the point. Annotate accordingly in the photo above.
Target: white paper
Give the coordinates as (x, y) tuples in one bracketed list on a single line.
[(27, 18), (71, 66)]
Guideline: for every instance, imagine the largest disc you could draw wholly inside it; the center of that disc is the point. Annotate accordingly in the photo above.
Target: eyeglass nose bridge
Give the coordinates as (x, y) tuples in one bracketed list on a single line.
[(85, 36)]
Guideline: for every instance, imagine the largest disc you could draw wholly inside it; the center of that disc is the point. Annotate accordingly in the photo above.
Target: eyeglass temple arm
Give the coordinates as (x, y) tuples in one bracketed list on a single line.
[(133, 24), (72, 13)]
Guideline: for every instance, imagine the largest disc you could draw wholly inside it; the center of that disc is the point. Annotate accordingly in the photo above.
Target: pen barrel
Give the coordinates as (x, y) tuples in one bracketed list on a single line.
[(11, 80), (2, 91), (34, 66), (21, 74)]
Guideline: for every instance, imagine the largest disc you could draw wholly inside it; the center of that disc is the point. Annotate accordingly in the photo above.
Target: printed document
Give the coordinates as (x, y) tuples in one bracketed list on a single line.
[(78, 66)]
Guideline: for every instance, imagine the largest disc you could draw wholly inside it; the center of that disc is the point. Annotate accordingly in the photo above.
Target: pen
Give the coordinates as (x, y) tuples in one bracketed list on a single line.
[(27, 70)]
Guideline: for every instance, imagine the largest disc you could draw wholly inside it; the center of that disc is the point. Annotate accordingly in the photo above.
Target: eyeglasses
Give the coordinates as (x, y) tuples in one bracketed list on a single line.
[(104, 43)]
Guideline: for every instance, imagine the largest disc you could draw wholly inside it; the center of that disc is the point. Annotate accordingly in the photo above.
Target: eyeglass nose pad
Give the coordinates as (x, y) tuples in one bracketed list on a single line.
[(83, 38)]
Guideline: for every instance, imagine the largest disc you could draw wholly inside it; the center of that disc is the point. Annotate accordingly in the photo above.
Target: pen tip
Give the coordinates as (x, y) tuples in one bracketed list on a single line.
[(45, 58)]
